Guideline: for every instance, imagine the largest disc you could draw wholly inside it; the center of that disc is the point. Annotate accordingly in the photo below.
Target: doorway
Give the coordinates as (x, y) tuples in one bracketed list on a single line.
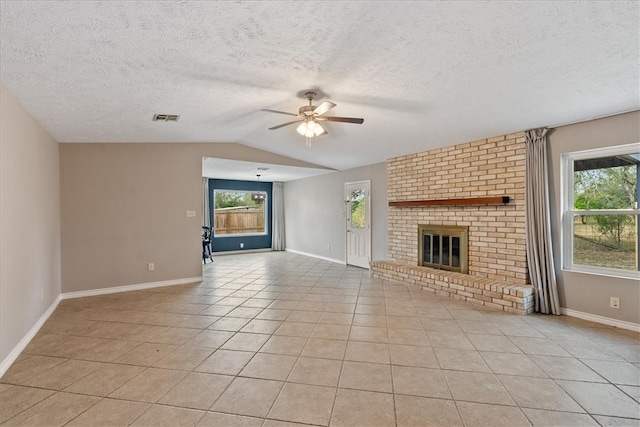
[(358, 214)]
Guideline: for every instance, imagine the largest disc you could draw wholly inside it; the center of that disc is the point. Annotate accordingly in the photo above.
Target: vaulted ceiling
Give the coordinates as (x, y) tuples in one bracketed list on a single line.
[(421, 74)]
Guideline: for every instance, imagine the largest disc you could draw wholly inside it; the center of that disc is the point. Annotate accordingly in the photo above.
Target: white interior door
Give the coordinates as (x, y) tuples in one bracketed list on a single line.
[(357, 195)]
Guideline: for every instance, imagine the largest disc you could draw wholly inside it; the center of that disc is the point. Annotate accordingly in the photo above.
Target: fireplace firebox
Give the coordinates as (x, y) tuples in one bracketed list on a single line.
[(443, 247)]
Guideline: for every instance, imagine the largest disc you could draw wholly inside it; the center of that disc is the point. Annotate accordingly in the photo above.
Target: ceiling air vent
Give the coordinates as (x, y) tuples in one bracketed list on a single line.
[(165, 117)]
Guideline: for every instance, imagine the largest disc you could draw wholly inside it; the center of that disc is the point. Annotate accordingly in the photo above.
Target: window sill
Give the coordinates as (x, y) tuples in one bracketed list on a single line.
[(223, 236), (619, 274)]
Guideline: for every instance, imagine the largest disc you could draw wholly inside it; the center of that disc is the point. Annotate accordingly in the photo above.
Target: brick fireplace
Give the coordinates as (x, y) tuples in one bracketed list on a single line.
[(496, 232)]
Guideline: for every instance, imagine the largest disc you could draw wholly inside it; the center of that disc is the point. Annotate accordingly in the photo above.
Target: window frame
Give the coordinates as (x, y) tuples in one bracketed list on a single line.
[(568, 212), (264, 203)]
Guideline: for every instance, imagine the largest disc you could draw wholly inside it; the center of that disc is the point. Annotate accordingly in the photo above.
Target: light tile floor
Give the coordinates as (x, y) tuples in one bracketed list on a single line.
[(274, 339)]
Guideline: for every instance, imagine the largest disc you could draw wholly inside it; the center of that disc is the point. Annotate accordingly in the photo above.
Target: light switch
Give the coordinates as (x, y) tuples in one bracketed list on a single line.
[(191, 214)]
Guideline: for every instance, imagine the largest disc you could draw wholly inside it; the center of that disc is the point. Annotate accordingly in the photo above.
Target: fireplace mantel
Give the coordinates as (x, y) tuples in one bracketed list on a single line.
[(491, 200)]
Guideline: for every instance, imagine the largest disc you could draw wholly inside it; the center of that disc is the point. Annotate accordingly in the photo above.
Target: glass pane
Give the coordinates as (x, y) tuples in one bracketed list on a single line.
[(426, 239), (605, 183), (436, 249), (358, 208), (445, 250), (238, 212), (455, 252), (606, 241)]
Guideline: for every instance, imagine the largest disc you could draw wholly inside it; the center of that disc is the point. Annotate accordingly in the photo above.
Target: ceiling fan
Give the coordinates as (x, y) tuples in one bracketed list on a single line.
[(310, 116)]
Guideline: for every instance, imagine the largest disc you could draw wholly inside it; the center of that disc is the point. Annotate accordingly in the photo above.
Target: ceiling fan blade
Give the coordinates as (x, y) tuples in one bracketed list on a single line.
[(279, 112), (286, 124), (343, 119), (323, 108)]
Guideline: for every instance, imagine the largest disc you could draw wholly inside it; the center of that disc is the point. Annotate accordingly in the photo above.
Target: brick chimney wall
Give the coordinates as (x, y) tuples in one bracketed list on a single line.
[(489, 167)]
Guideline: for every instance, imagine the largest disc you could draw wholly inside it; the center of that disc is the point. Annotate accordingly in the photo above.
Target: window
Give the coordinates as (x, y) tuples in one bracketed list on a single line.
[(238, 212), (600, 219), (358, 208)]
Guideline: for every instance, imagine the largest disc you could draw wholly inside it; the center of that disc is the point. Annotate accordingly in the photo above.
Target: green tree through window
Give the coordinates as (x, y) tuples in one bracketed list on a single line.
[(358, 208), (232, 199), (611, 188)]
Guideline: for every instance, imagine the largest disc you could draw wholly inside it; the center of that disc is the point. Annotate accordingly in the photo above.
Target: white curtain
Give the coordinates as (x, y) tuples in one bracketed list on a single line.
[(277, 229), (538, 224), (205, 202)]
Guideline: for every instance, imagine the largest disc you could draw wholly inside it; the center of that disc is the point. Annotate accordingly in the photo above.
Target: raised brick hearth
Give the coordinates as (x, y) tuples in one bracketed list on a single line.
[(478, 290)]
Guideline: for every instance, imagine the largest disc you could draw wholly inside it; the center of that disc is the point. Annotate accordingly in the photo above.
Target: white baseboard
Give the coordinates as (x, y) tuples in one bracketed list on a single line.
[(126, 288), (244, 251), (337, 261), (8, 361), (601, 319)]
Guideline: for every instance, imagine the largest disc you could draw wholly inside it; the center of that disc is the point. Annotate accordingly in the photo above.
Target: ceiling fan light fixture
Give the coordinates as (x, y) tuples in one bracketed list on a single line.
[(302, 129), (309, 117), (318, 129), (310, 128)]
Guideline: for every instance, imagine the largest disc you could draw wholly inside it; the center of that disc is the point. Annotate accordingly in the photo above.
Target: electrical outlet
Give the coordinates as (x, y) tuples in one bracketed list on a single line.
[(41, 293), (151, 266), (241, 245), (329, 247), (614, 302), (190, 214)]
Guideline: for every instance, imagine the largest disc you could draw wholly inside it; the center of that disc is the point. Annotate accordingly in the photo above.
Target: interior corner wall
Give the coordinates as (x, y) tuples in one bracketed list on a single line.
[(315, 221), (29, 223), (124, 206), (581, 292)]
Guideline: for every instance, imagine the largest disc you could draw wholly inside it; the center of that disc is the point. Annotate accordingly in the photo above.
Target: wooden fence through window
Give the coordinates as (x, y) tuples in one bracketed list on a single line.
[(239, 221)]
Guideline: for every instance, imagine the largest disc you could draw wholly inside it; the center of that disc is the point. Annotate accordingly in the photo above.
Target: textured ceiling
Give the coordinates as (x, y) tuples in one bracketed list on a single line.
[(421, 74)]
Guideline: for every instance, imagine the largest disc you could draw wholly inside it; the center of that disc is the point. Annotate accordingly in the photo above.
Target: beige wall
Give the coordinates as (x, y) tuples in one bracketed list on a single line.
[(29, 224), (489, 167), (315, 212), (123, 207), (590, 293)]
